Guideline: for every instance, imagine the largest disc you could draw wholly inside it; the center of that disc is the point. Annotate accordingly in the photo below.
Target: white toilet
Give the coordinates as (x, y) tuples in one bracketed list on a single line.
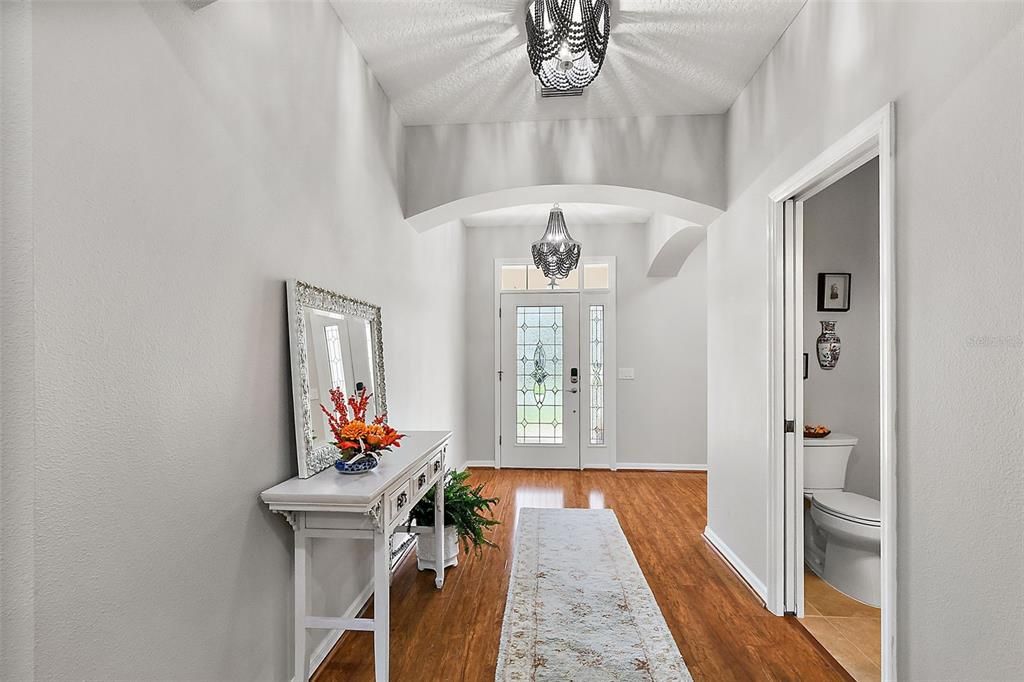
[(842, 530)]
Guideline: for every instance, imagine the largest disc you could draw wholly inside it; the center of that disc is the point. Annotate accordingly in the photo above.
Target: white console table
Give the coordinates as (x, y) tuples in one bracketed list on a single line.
[(366, 506)]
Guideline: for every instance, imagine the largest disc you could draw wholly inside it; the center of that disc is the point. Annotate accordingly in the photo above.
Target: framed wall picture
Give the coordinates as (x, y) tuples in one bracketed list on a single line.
[(833, 291)]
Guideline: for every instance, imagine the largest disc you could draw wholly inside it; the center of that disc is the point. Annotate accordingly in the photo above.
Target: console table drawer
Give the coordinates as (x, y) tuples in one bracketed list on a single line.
[(400, 501), (421, 479), (436, 463)]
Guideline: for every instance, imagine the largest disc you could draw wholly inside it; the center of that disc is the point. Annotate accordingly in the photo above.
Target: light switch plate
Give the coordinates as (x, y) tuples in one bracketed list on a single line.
[(627, 373)]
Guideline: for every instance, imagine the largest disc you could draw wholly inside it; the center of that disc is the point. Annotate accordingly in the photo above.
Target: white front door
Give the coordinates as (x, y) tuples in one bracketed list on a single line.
[(540, 381)]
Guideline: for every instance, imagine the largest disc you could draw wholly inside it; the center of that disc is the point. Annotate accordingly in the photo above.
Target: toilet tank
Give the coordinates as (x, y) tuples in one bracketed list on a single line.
[(825, 461)]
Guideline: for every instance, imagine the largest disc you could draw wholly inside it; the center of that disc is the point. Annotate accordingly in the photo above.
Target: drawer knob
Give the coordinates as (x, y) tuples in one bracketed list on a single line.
[(402, 499), (422, 480), (437, 466)]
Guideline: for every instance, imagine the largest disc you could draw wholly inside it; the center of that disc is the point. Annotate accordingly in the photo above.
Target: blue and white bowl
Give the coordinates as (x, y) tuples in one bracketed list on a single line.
[(367, 463)]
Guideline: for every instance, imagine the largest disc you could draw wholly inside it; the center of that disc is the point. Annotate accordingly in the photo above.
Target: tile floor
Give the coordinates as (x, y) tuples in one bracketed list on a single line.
[(849, 630)]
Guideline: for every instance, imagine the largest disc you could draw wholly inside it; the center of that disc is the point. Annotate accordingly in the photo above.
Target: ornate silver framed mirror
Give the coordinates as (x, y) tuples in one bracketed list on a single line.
[(335, 343)]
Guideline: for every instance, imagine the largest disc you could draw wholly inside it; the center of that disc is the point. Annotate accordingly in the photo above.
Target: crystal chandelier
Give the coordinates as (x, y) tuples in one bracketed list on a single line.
[(566, 41), (556, 253)]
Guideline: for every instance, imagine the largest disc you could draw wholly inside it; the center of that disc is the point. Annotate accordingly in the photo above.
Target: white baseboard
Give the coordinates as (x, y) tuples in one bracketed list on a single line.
[(638, 466), (731, 558), (329, 641), (644, 466)]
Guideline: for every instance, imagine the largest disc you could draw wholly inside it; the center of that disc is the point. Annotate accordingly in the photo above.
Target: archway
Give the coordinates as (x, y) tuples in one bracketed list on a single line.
[(677, 225)]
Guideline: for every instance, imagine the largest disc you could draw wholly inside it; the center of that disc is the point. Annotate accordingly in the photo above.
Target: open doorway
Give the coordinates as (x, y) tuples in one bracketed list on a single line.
[(832, 529), (842, 513)]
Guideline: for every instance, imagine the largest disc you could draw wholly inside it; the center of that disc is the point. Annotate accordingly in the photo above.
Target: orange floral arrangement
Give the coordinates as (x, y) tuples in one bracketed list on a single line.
[(352, 435)]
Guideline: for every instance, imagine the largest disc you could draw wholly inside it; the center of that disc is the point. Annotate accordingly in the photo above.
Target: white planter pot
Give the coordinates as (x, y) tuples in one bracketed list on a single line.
[(425, 552)]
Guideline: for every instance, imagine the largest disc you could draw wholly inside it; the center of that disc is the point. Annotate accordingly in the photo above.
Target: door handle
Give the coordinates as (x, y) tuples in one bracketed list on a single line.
[(574, 390)]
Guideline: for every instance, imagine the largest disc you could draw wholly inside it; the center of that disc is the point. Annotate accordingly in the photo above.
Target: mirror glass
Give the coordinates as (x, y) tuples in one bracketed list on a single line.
[(335, 343), (340, 356)]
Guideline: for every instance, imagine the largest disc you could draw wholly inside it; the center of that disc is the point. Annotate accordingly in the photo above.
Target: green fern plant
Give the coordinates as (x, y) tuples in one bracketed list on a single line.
[(465, 507)]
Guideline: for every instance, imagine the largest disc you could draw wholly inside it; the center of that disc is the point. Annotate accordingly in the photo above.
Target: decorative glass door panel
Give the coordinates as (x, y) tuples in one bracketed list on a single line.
[(540, 380), (539, 387), (596, 374)]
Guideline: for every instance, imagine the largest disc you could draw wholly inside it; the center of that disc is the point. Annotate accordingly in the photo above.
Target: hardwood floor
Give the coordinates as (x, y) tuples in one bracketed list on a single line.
[(723, 631)]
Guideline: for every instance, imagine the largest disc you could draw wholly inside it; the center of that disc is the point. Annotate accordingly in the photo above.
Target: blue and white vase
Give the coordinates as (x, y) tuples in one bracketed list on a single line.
[(829, 345)]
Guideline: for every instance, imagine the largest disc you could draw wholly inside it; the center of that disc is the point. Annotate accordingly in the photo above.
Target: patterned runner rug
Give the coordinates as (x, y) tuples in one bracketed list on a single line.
[(578, 607)]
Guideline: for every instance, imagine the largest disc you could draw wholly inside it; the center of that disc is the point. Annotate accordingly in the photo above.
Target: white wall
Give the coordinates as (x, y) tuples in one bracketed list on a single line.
[(185, 165), (841, 235), (660, 332), (17, 334), (954, 71), (679, 155)]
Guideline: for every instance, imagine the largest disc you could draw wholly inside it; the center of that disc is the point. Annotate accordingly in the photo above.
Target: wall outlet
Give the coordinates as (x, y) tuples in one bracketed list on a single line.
[(627, 373)]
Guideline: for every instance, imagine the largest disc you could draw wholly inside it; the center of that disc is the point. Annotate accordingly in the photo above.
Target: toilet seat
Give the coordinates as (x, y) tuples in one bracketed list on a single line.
[(849, 507), (830, 441)]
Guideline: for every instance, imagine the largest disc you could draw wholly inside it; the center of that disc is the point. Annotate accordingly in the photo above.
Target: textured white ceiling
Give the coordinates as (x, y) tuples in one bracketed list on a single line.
[(462, 61), (575, 214)]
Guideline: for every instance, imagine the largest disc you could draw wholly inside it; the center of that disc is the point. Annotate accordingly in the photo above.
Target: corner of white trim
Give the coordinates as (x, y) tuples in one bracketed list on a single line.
[(733, 560)]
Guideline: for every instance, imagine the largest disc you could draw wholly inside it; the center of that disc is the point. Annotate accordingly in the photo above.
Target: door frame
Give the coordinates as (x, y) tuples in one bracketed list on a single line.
[(591, 456), (875, 137)]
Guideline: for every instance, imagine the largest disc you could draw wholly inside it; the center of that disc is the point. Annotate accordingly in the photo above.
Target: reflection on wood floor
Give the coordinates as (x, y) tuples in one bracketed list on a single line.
[(722, 630)]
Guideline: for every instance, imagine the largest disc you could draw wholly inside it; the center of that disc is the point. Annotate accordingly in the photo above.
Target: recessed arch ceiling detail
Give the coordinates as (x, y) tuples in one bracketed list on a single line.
[(462, 61), (575, 213), (670, 241), (674, 226), (649, 201)]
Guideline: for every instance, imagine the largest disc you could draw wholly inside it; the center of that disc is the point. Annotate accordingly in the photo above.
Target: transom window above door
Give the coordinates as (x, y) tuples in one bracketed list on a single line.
[(523, 277)]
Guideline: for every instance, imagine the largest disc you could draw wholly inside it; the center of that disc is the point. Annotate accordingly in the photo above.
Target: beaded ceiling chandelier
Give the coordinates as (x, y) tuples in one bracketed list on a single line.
[(556, 253), (566, 41)]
